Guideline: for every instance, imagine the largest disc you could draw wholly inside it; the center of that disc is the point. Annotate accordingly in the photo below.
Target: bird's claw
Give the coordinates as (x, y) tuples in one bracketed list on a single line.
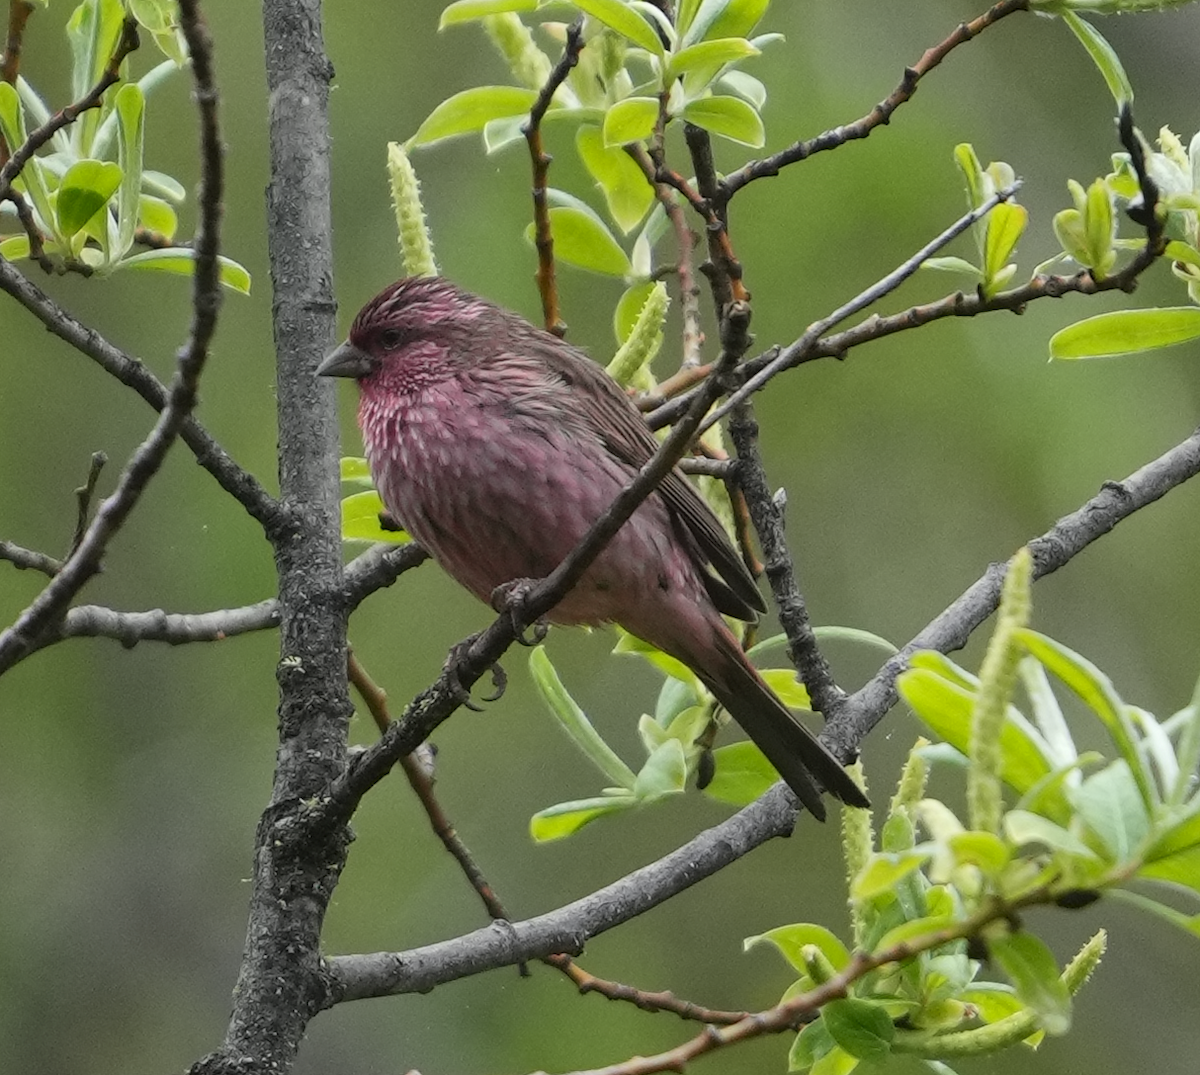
[(511, 597), (462, 694)]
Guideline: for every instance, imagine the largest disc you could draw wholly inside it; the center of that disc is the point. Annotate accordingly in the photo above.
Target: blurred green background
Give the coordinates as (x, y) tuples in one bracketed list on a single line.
[(131, 781)]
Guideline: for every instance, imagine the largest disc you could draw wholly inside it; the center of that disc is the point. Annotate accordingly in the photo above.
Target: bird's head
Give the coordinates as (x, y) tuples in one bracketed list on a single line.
[(412, 334)]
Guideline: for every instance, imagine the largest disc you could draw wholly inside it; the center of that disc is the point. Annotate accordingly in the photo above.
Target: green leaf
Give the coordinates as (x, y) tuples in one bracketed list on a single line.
[(14, 248), (787, 687), (630, 120), (1103, 56), (157, 16), (864, 1029), (627, 22), (913, 929), (665, 773), (982, 849), (1096, 691), (163, 185), (470, 110), (627, 643), (130, 108), (575, 721), (1023, 828), (953, 264), (710, 54), (157, 215), (626, 190), (83, 192), (722, 18), (468, 10), (360, 520), (745, 86), (947, 709), (565, 819), (1126, 332), (182, 260), (1006, 224), (1113, 809), (791, 941), (1031, 968), (582, 240), (355, 470), (742, 774), (1175, 854), (730, 117), (12, 127), (884, 871)]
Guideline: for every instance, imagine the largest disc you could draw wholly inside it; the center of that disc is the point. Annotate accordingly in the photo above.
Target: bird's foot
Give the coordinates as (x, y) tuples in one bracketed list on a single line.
[(511, 597), (455, 659)]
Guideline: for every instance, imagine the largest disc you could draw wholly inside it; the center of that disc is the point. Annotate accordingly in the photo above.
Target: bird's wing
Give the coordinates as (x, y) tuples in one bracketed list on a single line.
[(625, 434)]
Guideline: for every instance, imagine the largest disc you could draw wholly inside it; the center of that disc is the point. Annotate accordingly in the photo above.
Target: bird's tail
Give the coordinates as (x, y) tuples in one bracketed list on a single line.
[(794, 751)]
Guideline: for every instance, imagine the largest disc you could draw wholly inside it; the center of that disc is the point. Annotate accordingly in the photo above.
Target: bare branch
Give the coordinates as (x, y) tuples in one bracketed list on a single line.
[(29, 559)]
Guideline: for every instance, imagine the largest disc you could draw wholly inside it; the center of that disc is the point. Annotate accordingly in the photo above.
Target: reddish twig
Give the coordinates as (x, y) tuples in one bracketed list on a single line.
[(18, 14), (543, 235), (880, 115)]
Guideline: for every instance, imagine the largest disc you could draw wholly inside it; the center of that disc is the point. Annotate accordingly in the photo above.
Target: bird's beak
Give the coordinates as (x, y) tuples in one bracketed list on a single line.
[(346, 361)]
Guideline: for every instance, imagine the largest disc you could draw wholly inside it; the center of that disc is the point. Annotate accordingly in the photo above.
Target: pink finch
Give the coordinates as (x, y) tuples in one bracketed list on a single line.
[(497, 445)]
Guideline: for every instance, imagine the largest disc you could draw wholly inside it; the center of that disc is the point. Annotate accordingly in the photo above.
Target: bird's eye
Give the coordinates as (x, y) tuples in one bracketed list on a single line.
[(391, 337)]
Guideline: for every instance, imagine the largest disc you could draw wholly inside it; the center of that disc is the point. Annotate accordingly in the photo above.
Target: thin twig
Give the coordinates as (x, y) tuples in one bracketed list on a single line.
[(543, 235), (29, 559), (10, 66), (127, 42), (882, 287), (879, 115), (83, 498), (803, 649), (52, 602)]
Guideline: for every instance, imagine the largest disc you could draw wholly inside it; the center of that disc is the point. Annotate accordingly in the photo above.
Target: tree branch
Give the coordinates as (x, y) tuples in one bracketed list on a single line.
[(29, 559)]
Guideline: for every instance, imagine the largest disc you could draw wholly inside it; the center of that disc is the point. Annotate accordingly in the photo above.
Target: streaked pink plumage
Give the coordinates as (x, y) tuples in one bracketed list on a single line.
[(497, 446)]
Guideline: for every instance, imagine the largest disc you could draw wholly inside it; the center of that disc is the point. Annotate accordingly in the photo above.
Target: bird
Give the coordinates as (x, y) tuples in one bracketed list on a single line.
[(497, 445)]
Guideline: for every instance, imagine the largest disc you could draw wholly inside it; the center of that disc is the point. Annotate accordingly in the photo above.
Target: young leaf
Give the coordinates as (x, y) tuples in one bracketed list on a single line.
[(581, 239), (713, 54), (791, 941), (742, 774), (1109, 803), (130, 110), (565, 819), (469, 110), (575, 721), (627, 22), (665, 773), (360, 520), (626, 190), (630, 120), (83, 192), (1031, 968), (1126, 332), (468, 10), (730, 117), (1103, 56), (182, 261)]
